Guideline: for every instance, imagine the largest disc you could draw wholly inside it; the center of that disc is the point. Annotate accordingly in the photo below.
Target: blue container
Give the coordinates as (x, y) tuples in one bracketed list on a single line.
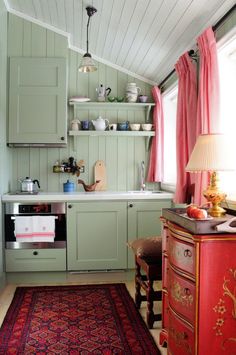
[(68, 186)]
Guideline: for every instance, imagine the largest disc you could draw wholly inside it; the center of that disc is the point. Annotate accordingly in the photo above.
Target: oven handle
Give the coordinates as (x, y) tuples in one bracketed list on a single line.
[(13, 217)]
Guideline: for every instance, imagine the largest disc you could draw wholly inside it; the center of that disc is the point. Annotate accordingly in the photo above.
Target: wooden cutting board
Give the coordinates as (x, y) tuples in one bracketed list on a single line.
[(100, 174)]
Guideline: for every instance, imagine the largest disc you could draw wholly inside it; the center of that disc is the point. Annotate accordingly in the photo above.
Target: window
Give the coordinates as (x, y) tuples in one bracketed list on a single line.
[(227, 73), (169, 109)]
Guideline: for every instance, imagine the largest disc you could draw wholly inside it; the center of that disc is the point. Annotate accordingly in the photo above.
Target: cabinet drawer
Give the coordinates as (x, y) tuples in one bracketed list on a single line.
[(180, 336), (35, 260), (181, 295), (181, 255)]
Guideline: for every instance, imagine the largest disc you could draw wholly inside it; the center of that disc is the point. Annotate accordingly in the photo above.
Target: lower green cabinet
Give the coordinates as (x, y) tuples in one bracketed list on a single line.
[(96, 235), (144, 221)]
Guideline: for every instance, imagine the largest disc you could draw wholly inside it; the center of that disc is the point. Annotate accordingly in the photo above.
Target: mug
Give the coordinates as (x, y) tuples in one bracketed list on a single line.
[(123, 126), (85, 125), (112, 127)]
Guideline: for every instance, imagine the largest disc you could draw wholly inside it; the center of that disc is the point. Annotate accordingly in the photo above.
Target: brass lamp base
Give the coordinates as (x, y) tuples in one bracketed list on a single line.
[(215, 197)]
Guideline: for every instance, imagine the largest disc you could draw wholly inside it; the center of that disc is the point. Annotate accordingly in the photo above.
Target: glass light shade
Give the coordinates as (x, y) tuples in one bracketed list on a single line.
[(87, 64), (212, 152)]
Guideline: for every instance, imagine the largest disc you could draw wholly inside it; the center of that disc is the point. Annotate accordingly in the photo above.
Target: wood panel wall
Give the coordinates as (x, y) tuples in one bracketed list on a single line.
[(122, 155)]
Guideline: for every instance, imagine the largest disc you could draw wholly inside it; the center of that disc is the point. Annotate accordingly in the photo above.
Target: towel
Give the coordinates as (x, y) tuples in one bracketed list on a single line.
[(23, 229), (35, 228)]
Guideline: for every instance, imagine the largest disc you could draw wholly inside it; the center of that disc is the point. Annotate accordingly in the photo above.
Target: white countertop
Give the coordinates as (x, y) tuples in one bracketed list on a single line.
[(87, 196)]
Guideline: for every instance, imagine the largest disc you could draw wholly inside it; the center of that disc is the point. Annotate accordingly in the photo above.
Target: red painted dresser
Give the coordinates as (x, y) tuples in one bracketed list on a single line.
[(199, 292)]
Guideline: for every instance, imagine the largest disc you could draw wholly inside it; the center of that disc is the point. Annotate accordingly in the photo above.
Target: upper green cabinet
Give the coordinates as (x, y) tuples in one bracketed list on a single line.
[(37, 101)]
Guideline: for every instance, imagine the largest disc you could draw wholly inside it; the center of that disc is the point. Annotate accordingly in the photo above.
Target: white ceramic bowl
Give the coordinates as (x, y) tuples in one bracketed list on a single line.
[(134, 126), (146, 126)]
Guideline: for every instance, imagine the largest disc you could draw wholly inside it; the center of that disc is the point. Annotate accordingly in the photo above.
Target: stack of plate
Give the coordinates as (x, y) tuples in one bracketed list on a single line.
[(79, 99)]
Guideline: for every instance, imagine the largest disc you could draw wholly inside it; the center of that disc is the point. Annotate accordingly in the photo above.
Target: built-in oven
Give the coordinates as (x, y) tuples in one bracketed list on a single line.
[(55, 209)]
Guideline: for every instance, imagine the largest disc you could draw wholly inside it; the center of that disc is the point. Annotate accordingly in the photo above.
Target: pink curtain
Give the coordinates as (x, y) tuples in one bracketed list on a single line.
[(208, 100), (156, 160), (185, 124)]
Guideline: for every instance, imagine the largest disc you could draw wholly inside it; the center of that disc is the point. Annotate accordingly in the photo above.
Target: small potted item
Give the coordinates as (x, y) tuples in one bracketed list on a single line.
[(68, 186), (143, 98)]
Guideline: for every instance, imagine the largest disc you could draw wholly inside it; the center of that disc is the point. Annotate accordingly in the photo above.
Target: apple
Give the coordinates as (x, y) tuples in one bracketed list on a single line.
[(190, 210), (199, 213)]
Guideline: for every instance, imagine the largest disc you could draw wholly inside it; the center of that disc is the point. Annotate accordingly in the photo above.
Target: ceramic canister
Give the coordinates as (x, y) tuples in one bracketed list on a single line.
[(132, 92), (68, 186)]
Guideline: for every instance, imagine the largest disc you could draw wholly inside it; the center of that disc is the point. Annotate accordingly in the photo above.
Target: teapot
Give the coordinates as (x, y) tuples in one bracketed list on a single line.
[(27, 184), (100, 124), (102, 93)]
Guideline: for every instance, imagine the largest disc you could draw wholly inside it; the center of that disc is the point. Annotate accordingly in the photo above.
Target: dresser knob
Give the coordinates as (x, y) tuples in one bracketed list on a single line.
[(131, 205), (62, 138), (69, 206), (187, 291), (188, 253), (35, 253)]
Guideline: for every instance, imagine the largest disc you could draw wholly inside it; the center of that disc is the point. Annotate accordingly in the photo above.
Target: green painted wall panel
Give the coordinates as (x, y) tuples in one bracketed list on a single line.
[(122, 156), (5, 157)]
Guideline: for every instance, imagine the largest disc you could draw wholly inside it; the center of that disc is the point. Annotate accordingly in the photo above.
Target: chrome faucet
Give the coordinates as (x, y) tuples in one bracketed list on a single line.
[(142, 176)]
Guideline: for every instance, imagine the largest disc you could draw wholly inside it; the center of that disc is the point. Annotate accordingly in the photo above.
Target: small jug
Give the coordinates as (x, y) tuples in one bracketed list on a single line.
[(102, 93), (75, 125), (132, 92)]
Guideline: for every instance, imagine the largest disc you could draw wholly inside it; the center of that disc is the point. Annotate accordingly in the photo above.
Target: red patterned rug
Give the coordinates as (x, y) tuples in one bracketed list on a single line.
[(85, 319)]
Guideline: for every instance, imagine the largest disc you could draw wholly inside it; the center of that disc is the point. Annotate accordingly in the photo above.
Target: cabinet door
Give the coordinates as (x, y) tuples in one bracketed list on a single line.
[(37, 100), (144, 221), (96, 236)]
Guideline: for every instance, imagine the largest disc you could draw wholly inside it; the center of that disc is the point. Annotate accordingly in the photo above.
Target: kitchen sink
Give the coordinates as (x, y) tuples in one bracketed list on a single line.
[(145, 192)]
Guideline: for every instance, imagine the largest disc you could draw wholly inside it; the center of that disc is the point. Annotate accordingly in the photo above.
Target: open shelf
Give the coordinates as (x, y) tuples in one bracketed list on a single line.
[(113, 106), (113, 133)]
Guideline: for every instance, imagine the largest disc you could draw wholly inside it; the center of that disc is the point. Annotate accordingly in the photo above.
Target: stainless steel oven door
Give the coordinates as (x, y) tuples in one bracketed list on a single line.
[(30, 209)]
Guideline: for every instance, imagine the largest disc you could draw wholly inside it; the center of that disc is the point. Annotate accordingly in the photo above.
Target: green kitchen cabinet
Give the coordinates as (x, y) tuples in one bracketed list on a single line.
[(97, 235), (144, 221), (37, 101)]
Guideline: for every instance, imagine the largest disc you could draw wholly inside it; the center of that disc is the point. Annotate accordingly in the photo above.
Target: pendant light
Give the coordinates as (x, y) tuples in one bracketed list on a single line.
[(87, 65)]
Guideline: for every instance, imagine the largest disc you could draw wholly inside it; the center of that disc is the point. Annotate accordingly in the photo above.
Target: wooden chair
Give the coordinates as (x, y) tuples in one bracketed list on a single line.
[(148, 268)]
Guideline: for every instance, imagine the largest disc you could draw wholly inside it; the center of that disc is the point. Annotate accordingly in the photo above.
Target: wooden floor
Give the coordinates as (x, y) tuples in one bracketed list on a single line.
[(33, 279)]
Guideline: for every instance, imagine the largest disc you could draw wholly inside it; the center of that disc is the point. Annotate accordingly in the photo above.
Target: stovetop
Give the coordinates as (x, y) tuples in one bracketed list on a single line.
[(23, 193)]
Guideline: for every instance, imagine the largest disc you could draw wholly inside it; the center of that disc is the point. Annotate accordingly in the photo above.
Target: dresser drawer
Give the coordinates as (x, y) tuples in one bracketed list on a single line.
[(180, 336), (35, 260), (181, 255), (181, 294), (164, 271), (165, 238), (165, 310)]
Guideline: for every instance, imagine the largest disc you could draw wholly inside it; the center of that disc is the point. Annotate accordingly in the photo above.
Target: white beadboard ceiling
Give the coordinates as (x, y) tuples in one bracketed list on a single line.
[(141, 37)]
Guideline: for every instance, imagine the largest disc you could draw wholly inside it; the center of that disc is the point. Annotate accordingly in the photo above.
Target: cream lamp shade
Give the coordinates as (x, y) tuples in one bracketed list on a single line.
[(213, 153)]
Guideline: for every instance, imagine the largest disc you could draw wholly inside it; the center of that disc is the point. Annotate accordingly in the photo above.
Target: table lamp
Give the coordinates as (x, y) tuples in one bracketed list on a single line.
[(212, 153)]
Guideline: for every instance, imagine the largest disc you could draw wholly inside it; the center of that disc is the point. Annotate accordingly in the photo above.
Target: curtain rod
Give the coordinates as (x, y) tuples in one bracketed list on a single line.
[(215, 27)]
